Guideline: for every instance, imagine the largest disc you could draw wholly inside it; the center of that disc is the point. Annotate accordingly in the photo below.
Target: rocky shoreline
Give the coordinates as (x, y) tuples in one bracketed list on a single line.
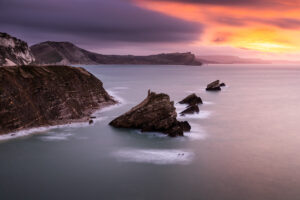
[(83, 122), (53, 95), (34, 96)]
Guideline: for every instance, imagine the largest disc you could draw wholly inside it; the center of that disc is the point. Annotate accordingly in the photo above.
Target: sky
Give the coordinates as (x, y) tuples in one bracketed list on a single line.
[(268, 29)]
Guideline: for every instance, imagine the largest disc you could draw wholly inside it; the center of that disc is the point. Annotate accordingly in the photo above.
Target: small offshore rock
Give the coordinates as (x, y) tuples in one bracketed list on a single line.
[(214, 86), (190, 110), (192, 99), (91, 121)]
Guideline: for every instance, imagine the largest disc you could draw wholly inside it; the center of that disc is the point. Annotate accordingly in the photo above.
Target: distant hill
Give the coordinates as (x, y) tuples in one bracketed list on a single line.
[(224, 59), (67, 53)]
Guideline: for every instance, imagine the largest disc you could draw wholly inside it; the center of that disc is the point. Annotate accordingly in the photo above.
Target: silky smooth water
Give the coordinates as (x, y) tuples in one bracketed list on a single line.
[(244, 144)]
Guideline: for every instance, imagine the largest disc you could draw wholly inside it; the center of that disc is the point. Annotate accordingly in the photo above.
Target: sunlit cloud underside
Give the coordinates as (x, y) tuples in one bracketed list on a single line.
[(265, 26)]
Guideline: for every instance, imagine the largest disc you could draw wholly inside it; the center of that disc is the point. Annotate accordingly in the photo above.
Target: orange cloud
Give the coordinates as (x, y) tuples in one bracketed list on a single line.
[(264, 25)]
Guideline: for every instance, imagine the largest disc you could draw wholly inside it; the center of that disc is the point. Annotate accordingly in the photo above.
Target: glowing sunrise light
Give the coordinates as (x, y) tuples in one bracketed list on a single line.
[(266, 47), (274, 28)]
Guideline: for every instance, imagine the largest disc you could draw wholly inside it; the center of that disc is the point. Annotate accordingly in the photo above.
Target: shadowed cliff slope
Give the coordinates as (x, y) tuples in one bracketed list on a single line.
[(32, 96)]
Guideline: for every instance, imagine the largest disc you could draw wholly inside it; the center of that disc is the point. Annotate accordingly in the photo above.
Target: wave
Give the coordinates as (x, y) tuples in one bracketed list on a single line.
[(149, 134), (208, 103), (43, 129), (120, 88), (55, 136), (115, 95), (196, 133), (155, 156), (203, 114)]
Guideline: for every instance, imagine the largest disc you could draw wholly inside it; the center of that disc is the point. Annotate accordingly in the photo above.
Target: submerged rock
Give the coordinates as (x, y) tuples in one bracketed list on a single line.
[(214, 86), (155, 113), (33, 96), (192, 99), (190, 110)]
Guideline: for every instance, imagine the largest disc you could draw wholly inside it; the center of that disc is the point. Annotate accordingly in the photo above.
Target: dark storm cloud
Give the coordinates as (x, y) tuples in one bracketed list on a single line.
[(93, 20)]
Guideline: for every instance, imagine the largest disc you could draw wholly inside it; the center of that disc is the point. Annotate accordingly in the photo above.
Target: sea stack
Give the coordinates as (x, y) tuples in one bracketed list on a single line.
[(33, 96), (214, 86), (155, 113)]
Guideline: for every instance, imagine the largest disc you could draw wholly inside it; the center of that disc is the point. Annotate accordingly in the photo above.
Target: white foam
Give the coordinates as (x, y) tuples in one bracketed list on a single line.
[(114, 93), (55, 136), (203, 114), (155, 156), (208, 103), (196, 133), (120, 88), (27, 132), (190, 91), (150, 134)]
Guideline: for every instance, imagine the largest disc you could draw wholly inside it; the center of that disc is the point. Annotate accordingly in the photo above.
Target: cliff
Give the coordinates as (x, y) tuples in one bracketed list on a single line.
[(33, 96), (68, 53), (14, 51)]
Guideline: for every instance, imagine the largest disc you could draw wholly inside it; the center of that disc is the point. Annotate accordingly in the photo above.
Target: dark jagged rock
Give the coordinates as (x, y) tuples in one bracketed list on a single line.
[(214, 86), (192, 99), (222, 85), (67, 53), (186, 127), (190, 110), (155, 113), (14, 51), (33, 96), (91, 121)]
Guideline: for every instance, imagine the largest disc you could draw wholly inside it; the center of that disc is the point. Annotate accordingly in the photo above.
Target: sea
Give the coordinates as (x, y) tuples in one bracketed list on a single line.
[(244, 143)]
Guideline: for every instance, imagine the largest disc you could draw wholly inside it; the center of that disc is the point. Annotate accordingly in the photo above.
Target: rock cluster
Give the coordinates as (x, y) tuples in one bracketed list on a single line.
[(215, 86), (33, 96), (192, 101), (155, 113)]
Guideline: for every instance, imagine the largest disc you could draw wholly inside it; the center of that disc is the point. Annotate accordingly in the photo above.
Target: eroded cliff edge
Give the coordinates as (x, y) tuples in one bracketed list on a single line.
[(33, 96), (14, 51)]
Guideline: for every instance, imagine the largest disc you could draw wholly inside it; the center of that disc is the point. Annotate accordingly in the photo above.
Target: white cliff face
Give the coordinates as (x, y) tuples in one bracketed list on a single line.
[(14, 51), (7, 42)]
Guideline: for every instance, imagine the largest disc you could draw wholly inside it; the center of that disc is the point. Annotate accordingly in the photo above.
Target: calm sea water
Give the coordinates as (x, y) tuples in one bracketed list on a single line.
[(244, 144)]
